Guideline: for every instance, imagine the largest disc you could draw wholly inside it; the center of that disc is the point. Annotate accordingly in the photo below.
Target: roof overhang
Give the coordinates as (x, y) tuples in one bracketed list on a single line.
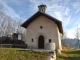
[(37, 14)]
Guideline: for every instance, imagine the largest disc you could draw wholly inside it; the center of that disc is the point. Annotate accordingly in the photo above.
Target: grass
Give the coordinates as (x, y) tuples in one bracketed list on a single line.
[(69, 54), (16, 54)]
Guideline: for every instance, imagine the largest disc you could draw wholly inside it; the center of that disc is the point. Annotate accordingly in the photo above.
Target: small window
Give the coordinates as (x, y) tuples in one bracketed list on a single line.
[(41, 27), (49, 40), (32, 40)]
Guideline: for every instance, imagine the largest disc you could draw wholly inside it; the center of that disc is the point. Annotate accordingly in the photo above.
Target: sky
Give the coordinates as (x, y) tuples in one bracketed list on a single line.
[(67, 11)]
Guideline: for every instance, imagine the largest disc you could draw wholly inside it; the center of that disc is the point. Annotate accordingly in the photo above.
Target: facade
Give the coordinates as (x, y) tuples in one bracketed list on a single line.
[(42, 29)]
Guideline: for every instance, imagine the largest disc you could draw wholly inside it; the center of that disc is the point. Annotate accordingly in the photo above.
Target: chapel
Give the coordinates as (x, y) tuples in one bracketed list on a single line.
[(42, 29)]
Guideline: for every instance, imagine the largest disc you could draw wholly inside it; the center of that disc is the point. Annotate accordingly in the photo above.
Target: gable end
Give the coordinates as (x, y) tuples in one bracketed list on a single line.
[(37, 14)]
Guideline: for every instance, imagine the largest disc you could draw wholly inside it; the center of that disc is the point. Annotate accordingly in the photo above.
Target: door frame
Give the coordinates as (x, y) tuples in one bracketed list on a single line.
[(37, 36), (41, 42)]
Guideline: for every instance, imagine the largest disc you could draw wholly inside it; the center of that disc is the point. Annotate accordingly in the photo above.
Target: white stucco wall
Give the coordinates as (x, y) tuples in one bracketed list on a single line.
[(59, 41), (49, 31)]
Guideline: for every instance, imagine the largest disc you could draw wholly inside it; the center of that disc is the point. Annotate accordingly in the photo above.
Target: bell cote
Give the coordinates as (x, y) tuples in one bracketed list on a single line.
[(42, 8)]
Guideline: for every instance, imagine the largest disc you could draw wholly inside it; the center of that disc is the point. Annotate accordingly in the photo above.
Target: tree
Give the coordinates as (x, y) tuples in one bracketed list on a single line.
[(9, 25), (6, 23), (17, 25), (64, 36), (18, 29), (77, 35)]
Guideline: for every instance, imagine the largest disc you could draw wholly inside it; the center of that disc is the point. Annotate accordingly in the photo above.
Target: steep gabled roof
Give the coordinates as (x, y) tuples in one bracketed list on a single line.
[(37, 14)]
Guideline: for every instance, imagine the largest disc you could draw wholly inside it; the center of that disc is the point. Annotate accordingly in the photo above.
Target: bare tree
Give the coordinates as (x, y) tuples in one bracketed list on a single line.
[(77, 35), (17, 25), (64, 36), (9, 25), (21, 29), (65, 41), (5, 23), (2, 21), (18, 29)]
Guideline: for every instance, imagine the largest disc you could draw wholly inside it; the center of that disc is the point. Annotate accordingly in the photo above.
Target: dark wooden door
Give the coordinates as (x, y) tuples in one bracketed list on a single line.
[(41, 42)]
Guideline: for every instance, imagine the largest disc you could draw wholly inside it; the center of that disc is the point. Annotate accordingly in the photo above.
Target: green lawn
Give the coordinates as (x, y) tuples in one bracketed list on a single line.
[(17, 54), (69, 54)]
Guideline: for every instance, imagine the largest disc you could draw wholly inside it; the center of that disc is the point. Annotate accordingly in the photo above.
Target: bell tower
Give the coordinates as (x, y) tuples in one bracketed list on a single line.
[(42, 8)]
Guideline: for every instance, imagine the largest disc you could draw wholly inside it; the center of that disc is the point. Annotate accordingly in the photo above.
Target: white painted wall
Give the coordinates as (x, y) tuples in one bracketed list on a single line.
[(49, 31)]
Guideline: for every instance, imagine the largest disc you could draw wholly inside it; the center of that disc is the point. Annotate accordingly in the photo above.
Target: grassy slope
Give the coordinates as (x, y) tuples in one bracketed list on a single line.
[(16, 54), (69, 54)]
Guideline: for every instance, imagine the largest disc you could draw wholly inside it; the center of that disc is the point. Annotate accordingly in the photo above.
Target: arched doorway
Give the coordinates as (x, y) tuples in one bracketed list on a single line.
[(41, 42)]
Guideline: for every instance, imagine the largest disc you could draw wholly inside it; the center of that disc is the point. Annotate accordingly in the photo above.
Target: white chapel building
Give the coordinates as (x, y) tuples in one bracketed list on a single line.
[(43, 28)]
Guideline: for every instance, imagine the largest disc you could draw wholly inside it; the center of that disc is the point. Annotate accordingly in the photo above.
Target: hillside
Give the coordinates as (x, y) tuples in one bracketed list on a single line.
[(17, 54)]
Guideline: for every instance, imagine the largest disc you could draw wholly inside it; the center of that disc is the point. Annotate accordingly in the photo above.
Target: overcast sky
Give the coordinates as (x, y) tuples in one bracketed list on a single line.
[(67, 11)]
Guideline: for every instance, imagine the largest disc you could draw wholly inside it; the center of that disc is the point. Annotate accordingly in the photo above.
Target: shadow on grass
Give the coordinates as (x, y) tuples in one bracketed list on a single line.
[(72, 52), (69, 55), (70, 58)]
